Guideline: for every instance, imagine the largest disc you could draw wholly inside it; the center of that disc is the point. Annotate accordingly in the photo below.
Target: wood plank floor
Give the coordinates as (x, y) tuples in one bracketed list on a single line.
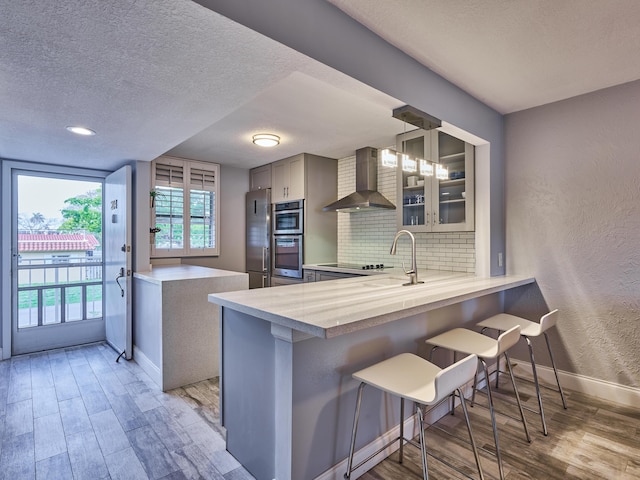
[(76, 414)]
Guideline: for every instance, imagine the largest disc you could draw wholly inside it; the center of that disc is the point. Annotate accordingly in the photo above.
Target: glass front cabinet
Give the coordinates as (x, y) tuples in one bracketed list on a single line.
[(444, 201)]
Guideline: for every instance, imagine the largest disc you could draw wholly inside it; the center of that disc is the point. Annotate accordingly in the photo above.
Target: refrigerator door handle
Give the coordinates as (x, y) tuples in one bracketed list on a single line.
[(264, 254)]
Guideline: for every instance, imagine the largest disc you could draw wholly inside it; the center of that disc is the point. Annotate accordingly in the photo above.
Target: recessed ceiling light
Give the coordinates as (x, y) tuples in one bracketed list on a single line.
[(266, 139), (80, 130)]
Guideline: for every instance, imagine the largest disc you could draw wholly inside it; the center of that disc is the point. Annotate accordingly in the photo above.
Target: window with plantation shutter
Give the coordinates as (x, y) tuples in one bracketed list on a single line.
[(186, 210)]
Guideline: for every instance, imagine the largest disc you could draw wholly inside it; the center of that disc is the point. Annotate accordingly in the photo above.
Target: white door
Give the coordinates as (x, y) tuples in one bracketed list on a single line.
[(117, 261)]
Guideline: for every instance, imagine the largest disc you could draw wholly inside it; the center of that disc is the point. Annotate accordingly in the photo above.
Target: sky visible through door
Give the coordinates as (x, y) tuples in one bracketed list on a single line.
[(59, 243)]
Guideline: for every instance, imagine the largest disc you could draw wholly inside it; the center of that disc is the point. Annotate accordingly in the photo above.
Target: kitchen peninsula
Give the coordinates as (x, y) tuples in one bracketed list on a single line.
[(287, 396), (174, 342)]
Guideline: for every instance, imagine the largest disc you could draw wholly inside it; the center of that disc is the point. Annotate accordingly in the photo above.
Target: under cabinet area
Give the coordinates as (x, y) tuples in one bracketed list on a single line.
[(429, 203)]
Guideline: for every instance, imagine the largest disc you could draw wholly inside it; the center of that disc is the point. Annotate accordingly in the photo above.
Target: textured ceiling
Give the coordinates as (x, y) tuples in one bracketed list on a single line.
[(156, 76), (150, 74), (513, 54)]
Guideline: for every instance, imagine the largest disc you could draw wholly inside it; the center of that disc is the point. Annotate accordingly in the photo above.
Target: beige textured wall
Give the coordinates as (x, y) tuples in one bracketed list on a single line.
[(573, 221)]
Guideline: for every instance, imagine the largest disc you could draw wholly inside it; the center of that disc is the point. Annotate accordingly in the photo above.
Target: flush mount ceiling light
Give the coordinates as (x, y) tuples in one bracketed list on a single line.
[(266, 139), (80, 130)]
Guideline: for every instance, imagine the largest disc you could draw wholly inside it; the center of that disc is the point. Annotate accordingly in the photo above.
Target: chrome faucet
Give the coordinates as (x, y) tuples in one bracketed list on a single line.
[(413, 272)]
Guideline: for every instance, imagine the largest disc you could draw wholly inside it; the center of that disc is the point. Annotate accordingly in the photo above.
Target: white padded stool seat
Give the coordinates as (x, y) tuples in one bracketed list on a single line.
[(529, 329), (470, 342), (505, 321), (411, 377)]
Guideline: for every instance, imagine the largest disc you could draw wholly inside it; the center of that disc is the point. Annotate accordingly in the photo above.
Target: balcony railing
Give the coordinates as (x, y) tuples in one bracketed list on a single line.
[(53, 290)]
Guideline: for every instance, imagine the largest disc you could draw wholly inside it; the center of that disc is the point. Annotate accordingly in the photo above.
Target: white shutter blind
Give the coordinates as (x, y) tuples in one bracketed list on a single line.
[(202, 179), (169, 173), (186, 207)]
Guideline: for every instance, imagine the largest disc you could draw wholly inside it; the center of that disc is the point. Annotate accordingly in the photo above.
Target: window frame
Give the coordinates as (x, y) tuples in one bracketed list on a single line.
[(187, 186)]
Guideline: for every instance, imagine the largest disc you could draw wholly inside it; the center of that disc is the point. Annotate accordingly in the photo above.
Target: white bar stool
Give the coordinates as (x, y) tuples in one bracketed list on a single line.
[(411, 377), (528, 330), (486, 348)]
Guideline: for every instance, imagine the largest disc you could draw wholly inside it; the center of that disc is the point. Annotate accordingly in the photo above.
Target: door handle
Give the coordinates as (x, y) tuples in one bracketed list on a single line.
[(264, 256), (118, 277)]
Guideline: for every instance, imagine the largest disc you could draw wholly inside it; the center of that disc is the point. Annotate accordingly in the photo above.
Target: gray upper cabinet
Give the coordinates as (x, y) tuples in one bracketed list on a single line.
[(429, 204), (260, 177), (288, 179)]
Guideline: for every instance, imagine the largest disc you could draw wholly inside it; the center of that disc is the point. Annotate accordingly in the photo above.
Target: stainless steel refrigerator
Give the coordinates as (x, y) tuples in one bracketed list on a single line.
[(258, 217)]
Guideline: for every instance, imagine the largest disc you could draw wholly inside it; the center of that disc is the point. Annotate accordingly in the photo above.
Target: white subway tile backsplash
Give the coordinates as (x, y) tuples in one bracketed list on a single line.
[(365, 237)]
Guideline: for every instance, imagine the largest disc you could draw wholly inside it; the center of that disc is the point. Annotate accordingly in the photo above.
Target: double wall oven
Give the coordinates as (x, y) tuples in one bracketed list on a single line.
[(287, 248)]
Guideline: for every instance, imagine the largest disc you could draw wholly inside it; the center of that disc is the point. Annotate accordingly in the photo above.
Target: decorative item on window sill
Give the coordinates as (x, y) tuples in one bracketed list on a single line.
[(152, 235), (153, 194)]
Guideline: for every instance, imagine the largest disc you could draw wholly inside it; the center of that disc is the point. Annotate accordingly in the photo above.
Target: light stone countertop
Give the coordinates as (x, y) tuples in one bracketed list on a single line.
[(337, 307), (172, 273)]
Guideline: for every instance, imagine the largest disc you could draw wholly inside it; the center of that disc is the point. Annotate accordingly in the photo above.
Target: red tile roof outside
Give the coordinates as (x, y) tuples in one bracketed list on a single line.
[(56, 242)]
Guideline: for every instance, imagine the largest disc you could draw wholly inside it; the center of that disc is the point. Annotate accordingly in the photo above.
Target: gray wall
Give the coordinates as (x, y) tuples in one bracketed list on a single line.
[(573, 221), (233, 187), (321, 31)]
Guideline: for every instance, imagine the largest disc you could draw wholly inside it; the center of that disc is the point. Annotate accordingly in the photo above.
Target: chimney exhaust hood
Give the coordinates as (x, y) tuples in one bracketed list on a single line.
[(366, 196)]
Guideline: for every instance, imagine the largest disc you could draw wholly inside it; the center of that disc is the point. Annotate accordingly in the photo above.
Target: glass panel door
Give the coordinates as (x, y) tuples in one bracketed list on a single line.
[(57, 245)]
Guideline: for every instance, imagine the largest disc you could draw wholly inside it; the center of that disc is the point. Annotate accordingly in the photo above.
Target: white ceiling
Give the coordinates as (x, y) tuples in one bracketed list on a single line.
[(513, 54), (153, 76)]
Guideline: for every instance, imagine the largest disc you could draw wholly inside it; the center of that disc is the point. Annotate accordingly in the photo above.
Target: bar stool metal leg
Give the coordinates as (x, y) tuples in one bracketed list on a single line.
[(423, 447), (555, 370), (515, 390), (401, 449), (356, 417), (537, 384), (493, 419), (463, 403)]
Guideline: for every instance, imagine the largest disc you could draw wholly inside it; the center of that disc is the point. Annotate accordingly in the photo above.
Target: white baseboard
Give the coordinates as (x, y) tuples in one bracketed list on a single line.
[(609, 391), (148, 366)]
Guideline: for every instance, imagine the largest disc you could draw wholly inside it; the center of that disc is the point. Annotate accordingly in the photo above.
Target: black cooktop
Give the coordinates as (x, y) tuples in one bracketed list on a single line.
[(356, 266)]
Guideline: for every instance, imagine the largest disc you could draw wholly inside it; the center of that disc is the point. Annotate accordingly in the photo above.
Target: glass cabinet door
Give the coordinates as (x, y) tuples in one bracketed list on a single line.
[(414, 198), (450, 193), (430, 203)]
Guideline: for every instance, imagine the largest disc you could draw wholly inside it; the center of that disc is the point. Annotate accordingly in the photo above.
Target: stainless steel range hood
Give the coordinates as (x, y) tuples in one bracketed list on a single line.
[(366, 196)]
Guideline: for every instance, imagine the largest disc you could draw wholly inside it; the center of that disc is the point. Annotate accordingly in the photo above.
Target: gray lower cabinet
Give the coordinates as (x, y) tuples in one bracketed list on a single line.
[(280, 281), (323, 275)]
